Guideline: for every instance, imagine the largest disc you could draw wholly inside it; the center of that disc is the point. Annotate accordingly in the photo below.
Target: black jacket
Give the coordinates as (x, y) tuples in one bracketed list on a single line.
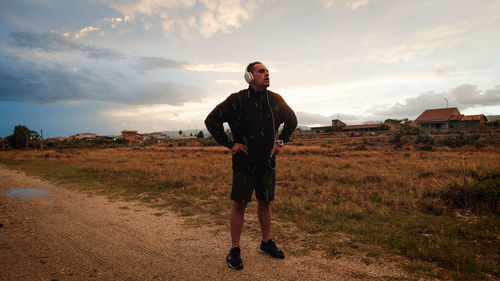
[(248, 114)]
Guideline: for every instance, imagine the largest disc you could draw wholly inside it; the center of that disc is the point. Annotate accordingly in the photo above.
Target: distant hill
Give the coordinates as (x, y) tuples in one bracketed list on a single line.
[(493, 117), (185, 132)]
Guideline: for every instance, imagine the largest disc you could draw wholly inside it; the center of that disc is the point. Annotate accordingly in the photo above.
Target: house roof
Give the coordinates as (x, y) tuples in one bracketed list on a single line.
[(456, 117), (440, 114), (472, 117)]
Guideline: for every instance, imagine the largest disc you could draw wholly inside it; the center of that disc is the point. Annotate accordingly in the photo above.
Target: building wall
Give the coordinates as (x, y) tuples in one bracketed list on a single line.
[(432, 126), (466, 125), (130, 137)]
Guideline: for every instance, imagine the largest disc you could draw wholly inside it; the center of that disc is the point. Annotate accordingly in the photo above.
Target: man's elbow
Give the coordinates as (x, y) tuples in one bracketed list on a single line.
[(208, 122)]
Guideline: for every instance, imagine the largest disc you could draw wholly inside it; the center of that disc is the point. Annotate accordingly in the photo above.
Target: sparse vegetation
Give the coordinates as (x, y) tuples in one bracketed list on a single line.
[(438, 208)]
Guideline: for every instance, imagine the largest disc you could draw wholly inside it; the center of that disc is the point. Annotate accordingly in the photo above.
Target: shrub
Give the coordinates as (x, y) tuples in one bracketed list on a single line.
[(208, 141), (460, 140), (480, 194), (405, 130), (425, 141)]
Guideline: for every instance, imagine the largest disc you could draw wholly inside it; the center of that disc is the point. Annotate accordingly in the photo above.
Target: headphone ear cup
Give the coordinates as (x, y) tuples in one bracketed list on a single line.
[(248, 77)]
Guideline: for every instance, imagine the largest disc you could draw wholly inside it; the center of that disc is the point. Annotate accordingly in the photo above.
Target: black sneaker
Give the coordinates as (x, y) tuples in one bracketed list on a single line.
[(233, 259), (270, 248)]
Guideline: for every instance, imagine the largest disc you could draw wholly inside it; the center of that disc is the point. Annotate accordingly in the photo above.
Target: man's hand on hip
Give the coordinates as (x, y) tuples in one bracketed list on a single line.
[(276, 149), (238, 147)]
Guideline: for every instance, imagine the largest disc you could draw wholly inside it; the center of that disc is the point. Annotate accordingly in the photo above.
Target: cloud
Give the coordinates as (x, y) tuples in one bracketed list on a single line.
[(445, 69), (318, 120), (469, 96), (206, 17), (216, 67), (149, 7), (53, 83), (421, 43), (159, 63), (115, 21), (350, 4), (355, 4), (463, 97), (328, 3), (53, 42), (85, 30)]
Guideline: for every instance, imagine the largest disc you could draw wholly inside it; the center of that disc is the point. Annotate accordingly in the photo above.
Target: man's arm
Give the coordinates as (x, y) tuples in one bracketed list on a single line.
[(214, 122), (289, 120)]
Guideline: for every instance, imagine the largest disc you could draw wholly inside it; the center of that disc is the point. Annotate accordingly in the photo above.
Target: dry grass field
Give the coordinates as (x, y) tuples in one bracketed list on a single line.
[(439, 209)]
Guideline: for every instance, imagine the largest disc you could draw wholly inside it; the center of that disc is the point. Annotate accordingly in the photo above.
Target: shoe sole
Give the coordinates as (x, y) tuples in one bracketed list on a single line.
[(234, 267), (267, 253)]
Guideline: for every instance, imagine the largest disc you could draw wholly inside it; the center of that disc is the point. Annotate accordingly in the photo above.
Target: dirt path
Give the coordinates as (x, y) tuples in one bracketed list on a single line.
[(69, 235)]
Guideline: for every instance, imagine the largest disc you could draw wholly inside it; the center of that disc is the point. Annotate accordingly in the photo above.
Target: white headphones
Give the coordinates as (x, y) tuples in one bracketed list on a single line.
[(248, 76)]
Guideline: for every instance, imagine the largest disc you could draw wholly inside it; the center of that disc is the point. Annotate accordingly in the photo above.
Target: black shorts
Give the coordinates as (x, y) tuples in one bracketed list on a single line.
[(244, 184)]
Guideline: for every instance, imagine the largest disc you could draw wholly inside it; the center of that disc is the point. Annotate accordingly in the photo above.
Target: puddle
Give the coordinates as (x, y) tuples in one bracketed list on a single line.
[(22, 193)]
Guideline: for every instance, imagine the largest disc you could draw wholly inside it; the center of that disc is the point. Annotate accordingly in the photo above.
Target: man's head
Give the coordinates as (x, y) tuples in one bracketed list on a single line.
[(260, 74)]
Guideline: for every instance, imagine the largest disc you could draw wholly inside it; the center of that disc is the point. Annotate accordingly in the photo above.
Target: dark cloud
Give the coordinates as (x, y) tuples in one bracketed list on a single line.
[(463, 97), (158, 63), (470, 96), (53, 42), (413, 106), (29, 82)]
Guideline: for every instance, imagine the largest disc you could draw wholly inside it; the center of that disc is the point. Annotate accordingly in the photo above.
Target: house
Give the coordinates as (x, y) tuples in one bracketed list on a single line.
[(336, 126), (362, 128), (131, 136), (55, 139), (437, 118), (469, 122), (450, 118)]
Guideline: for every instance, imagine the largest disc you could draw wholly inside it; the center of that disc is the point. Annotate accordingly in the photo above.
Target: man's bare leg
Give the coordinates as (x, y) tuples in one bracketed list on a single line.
[(264, 214), (237, 218)]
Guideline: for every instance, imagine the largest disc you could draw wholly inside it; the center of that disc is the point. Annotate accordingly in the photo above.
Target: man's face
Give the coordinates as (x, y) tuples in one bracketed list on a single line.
[(261, 76)]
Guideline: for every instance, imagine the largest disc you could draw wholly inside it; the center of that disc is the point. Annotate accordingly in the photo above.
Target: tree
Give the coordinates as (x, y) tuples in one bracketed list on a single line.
[(23, 138), (180, 132), (200, 135), (383, 127)]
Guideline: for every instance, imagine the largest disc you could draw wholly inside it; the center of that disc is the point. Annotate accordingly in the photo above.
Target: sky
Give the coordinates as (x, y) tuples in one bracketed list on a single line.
[(103, 66)]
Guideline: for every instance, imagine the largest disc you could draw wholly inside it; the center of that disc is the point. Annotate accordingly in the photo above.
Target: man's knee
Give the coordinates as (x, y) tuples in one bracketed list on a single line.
[(263, 204), (239, 207)]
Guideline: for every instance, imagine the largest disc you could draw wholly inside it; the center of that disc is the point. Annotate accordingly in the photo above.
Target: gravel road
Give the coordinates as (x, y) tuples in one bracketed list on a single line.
[(69, 235)]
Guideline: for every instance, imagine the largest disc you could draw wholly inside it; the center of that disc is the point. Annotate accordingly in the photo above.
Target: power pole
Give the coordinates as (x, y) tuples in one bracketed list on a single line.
[(41, 139)]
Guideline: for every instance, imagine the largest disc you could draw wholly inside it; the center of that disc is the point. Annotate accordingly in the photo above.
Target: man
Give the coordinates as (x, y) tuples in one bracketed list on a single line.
[(254, 116)]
